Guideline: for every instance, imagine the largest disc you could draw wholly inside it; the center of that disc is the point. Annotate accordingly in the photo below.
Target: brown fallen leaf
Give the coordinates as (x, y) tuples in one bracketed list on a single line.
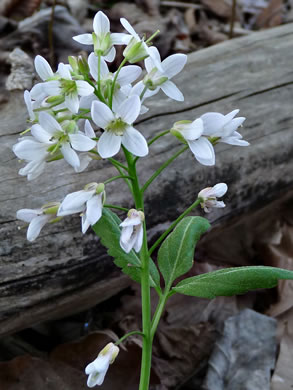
[(221, 8), (271, 16)]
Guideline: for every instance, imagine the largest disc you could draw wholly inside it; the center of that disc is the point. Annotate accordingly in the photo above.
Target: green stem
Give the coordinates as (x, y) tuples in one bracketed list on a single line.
[(118, 177), (162, 167), (127, 335), (143, 92), (158, 136), (173, 225), (158, 312), (145, 282), (113, 206), (117, 163), (114, 81)]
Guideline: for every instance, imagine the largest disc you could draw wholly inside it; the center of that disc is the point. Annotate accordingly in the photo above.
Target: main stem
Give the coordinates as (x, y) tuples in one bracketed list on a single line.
[(145, 282)]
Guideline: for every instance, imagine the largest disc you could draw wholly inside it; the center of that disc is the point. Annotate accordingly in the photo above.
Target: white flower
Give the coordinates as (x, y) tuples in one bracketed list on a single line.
[(136, 49), (132, 231), (209, 196), (68, 87), (126, 76), (43, 68), (37, 218), (88, 201), (171, 66), (118, 128), (223, 127), (191, 132), (102, 39), (99, 367)]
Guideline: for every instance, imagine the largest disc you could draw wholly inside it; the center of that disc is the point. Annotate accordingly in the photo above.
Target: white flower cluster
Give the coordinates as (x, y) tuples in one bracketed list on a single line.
[(66, 106)]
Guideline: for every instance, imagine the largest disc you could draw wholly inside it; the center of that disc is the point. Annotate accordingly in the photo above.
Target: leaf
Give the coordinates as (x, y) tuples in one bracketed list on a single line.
[(107, 228), (232, 281), (175, 256)]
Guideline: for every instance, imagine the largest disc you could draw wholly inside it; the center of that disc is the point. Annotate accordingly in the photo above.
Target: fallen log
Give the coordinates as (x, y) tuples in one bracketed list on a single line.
[(64, 272)]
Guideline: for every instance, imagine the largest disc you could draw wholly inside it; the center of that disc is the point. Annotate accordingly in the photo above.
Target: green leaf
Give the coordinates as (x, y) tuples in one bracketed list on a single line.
[(107, 228), (232, 281), (175, 256)]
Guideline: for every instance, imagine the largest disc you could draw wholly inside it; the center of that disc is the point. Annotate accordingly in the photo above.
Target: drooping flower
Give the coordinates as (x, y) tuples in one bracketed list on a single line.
[(222, 128), (132, 231), (88, 202), (99, 367), (118, 128), (155, 79), (37, 218), (102, 39), (137, 49), (191, 133), (209, 196)]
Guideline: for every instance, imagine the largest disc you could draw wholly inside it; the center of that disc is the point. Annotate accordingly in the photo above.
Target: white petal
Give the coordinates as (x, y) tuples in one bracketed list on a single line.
[(38, 92), (101, 114), (27, 215), (203, 151), (149, 63), (138, 241), (84, 227), (33, 169), (133, 221), (110, 56), (86, 101), (84, 88), (232, 126), (70, 155), (85, 39), (128, 74), (72, 102), (40, 134), (213, 123), (193, 130), (93, 65), (173, 64), (36, 226), (49, 123), (89, 131), (109, 144), (43, 68), (219, 204), (28, 103), (101, 23), (94, 209), (231, 115), (135, 142), (129, 109), (52, 88), (30, 150), (156, 60), (172, 91), (85, 159), (64, 71), (220, 189), (234, 141), (129, 28), (127, 239), (120, 38), (81, 142), (74, 203)]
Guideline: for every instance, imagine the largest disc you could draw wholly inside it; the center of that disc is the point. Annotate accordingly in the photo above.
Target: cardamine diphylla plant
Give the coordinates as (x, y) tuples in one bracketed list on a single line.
[(82, 113)]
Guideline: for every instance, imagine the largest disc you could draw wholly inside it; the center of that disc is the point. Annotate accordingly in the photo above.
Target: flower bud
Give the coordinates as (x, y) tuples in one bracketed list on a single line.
[(135, 51)]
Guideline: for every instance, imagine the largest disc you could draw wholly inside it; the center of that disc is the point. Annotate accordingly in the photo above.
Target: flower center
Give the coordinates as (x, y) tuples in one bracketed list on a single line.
[(117, 126), (68, 87)]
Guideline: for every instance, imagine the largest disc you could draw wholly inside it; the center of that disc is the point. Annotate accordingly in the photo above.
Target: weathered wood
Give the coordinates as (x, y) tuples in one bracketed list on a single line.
[(64, 272)]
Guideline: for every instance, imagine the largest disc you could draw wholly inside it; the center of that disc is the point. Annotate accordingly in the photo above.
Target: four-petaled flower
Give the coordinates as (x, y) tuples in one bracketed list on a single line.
[(191, 133), (88, 202), (222, 128), (132, 231), (37, 218), (118, 128), (209, 195), (99, 367), (155, 79), (102, 39)]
